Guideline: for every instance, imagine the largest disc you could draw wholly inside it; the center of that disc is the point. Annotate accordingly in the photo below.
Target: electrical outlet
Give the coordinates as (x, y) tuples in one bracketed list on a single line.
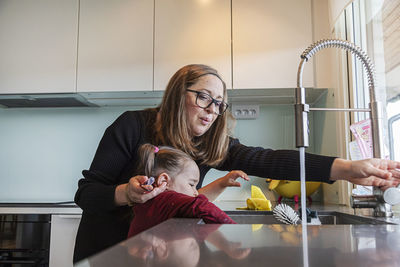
[(241, 112)]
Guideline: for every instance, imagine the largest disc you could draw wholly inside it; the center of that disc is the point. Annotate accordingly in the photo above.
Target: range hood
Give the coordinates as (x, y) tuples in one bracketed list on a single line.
[(282, 96), (44, 101)]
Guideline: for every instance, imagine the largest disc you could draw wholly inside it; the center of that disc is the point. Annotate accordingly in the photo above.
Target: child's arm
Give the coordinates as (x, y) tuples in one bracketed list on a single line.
[(211, 213), (198, 207), (214, 189)]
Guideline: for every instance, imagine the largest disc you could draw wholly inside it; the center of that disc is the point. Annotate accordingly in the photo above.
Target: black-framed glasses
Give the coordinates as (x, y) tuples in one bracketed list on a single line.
[(204, 100)]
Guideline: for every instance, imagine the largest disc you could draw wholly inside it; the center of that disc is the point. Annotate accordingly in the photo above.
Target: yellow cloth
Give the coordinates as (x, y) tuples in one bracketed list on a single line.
[(258, 201)]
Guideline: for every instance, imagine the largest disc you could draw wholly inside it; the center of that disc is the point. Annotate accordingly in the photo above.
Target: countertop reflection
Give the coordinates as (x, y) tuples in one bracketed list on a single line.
[(184, 242)]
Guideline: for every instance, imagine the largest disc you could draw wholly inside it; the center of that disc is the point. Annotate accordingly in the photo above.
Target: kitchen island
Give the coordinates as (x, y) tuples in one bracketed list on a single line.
[(188, 242)]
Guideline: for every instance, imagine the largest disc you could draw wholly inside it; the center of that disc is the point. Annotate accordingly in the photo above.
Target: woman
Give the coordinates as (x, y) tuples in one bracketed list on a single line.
[(191, 117)]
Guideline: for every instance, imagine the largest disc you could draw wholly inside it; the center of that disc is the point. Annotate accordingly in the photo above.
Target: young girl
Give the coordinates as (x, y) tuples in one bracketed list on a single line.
[(181, 199)]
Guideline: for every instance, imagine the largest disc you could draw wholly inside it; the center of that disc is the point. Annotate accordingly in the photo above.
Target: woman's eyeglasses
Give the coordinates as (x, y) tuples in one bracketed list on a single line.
[(204, 100)]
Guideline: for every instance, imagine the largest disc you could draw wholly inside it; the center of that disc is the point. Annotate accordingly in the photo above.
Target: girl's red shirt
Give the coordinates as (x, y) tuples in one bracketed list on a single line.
[(171, 204)]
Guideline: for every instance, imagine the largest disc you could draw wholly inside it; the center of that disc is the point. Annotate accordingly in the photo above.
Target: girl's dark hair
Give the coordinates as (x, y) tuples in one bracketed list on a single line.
[(167, 159)]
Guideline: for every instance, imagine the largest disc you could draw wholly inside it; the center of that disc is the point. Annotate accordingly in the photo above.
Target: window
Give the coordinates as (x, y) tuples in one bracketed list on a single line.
[(375, 27)]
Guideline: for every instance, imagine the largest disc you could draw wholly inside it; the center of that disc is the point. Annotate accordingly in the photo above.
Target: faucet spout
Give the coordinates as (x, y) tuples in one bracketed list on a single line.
[(375, 109)]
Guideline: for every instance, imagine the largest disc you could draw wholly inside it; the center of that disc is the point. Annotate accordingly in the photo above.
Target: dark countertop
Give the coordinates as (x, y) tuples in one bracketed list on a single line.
[(184, 242)]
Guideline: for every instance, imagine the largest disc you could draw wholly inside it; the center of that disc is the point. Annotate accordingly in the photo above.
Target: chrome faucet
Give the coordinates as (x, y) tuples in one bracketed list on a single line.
[(376, 201)]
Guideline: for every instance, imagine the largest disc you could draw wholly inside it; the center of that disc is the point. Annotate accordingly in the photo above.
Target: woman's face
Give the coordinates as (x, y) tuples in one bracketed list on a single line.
[(199, 119), (186, 181)]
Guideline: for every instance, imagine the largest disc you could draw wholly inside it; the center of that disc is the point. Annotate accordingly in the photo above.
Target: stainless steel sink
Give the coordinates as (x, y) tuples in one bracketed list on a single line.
[(326, 217)]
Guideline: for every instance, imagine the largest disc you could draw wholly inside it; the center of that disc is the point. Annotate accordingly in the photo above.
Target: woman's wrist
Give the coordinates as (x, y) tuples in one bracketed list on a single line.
[(121, 195), (341, 168)]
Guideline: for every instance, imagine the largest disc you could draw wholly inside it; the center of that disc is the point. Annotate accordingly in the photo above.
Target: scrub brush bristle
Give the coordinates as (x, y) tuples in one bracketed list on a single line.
[(286, 214)]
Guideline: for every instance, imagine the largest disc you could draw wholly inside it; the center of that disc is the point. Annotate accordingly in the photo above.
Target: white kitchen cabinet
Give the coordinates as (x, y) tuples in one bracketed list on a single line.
[(115, 51), (62, 239), (38, 42), (188, 32), (268, 39)]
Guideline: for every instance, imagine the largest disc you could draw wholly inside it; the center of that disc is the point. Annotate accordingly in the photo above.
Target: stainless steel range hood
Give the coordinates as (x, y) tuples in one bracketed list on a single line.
[(44, 101)]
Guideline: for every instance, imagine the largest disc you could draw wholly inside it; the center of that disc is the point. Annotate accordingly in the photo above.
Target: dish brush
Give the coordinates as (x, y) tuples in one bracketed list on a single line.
[(286, 214)]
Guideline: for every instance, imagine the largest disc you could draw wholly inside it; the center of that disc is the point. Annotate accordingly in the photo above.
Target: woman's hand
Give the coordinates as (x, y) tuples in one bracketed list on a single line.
[(376, 172), (136, 191)]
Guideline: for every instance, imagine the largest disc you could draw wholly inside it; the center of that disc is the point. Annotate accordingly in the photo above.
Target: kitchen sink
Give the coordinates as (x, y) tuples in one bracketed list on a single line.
[(326, 217)]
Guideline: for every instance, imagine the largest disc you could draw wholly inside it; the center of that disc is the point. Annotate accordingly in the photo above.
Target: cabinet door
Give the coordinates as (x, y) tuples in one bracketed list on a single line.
[(115, 45), (188, 32), (62, 239), (38, 42), (268, 39)]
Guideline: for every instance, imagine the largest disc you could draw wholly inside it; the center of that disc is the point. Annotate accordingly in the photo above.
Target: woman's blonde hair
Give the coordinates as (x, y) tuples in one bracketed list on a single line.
[(156, 160), (211, 147)]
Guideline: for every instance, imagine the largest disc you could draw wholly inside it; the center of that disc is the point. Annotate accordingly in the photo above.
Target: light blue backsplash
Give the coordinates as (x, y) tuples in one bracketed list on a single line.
[(43, 151)]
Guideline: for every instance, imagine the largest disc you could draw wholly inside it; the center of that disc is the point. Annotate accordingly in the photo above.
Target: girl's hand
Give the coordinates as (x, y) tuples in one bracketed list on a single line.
[(215, 188), (376, 172), (230, 178), (138, 192)]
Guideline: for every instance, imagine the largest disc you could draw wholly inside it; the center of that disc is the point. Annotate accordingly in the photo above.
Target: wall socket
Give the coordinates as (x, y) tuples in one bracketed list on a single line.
[(242, 112)]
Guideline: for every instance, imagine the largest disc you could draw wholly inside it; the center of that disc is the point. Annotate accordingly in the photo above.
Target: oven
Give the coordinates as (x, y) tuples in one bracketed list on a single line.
[(24, 240)]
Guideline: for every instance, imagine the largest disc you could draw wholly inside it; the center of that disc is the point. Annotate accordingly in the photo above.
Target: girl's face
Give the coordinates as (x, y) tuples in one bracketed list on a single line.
[(199, 119), (186, 181)]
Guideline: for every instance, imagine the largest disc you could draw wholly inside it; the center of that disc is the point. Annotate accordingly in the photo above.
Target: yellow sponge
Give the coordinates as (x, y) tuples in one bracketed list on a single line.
[(258, 201)]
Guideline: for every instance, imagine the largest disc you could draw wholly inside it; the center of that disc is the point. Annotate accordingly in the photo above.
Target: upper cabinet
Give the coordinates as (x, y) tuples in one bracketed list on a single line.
[(38, 42), (137, 45), (268, 39), (115, 51), (187, 32)]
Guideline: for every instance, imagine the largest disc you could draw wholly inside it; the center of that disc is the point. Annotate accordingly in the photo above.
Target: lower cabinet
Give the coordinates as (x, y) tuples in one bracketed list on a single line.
[(62, 239)]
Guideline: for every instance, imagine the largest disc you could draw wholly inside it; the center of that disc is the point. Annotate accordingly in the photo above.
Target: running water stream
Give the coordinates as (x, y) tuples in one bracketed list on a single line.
[(303, 206)]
